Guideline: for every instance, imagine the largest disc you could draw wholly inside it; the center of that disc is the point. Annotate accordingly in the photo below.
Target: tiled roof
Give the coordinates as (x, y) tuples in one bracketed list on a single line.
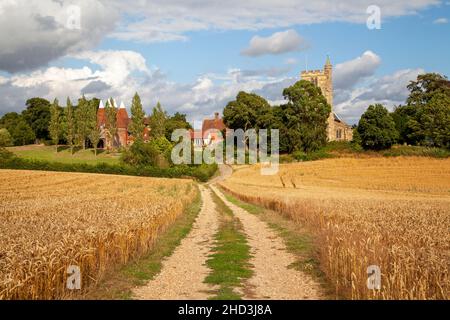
[(216, 123), (122, 118)]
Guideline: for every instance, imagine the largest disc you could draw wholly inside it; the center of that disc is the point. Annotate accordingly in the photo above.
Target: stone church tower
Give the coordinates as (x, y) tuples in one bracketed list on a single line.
[(337, 129)]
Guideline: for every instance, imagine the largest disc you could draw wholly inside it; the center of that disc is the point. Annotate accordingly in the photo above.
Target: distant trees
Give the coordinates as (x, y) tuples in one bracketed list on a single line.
[(55, 128), (137, 118), (157, 121), (177, 121), (70, 125), (425, 119), (83, 116), (303, 120), (19, 130), (94, 134), (5, 138), (37, 115), (376, 128), (246, 112)]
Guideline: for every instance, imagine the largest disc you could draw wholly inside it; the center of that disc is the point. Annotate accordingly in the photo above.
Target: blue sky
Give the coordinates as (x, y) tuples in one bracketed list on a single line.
[(190, 55)]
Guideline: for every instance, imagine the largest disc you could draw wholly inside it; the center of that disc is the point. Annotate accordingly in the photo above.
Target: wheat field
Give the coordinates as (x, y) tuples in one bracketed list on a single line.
[(389, 212), (49, 221)]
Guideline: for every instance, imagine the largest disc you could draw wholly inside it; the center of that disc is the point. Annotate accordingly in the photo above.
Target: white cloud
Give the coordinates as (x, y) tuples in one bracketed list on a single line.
[(441, 21), (277, 43), (389, 90), (162, 20), (348, 73), (34, 32)]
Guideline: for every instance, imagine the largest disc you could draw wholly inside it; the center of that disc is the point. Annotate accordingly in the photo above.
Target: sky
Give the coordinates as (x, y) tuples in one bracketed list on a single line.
[(194, 56)]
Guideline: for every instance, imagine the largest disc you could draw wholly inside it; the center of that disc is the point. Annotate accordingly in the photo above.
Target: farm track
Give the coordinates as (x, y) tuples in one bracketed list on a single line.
[(273, 278), (183, 273)]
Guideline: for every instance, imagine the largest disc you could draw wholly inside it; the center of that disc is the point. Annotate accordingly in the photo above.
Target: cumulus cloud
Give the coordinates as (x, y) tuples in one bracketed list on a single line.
[(389, 90), (35, 32), (277, 43), (348, 73)]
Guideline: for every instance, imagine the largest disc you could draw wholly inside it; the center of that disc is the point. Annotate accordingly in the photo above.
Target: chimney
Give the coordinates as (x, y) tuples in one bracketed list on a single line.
[(216, 115)]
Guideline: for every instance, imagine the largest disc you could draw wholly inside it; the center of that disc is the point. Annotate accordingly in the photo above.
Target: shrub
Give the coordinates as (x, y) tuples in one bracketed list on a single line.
[(140, 154)]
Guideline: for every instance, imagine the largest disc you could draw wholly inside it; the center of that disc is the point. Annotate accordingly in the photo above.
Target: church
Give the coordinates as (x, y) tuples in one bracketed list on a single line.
[(337, 129)]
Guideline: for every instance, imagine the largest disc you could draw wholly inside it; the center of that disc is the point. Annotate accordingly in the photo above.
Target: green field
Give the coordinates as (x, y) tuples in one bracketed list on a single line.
[(47, 153)]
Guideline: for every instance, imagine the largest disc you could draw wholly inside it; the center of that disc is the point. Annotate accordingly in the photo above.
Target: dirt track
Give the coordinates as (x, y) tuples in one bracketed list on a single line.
[(183, 273)]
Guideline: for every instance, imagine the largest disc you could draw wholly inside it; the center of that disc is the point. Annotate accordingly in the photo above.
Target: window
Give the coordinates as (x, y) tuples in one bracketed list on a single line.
[(338, 134)]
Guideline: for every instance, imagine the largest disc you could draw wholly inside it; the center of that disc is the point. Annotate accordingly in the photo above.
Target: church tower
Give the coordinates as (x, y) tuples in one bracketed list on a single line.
[(328, 88), (328, 93)]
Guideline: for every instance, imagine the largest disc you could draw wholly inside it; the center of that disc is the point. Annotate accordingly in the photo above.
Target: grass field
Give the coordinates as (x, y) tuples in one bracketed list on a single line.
[(50, 221), (47, 153), (390, 212)]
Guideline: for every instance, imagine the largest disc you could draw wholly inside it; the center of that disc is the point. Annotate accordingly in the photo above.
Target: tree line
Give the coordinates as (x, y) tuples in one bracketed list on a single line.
[(76, 125), (302, 121)]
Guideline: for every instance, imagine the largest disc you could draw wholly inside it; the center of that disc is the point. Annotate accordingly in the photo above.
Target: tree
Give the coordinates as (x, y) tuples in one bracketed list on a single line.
[(70, 125), (402, 117), (426, 86), (37, 115), (424, 120), (432, 122), (157, 121), (245, 112), (94, 130), (137, 118), (177, 121), (304, 117), (5, 138), (82, 115), (111, 121), (55, 123), (376, 128), (21, 133)]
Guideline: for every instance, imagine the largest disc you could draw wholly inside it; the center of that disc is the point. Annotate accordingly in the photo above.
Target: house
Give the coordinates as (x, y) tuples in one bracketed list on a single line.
[(123, 137), (211, 132)]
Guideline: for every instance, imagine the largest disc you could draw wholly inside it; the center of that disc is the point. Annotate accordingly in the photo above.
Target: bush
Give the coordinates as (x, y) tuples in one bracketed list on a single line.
[(157, 152), (141, 154)]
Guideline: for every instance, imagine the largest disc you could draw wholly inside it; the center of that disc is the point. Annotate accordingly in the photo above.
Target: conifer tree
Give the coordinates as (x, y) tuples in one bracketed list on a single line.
[(55, 123), (137, 118)]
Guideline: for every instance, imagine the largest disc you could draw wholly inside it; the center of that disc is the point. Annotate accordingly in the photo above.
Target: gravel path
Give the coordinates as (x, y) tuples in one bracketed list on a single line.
[(183, 273), (272, 279)]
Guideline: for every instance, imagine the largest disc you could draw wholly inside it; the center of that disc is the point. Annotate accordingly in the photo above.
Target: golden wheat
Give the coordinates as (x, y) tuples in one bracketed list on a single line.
[(390, 212), (49, 221)]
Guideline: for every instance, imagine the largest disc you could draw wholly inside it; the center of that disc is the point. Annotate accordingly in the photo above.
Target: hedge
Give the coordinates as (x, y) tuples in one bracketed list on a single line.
[(200, 172)]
